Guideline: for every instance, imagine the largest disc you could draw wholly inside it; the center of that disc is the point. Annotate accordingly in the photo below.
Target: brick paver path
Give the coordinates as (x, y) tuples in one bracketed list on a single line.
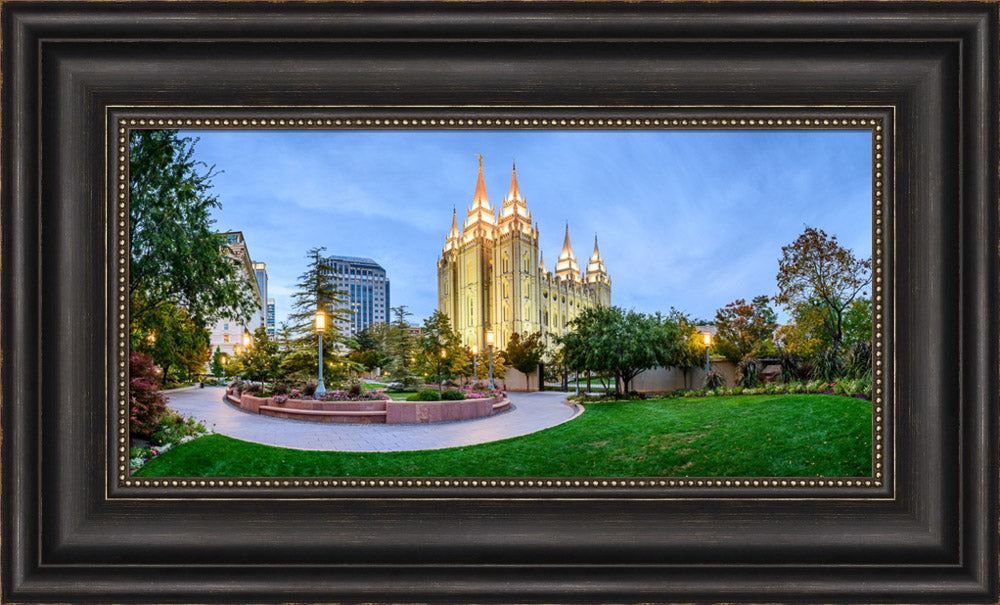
[(529, 412)]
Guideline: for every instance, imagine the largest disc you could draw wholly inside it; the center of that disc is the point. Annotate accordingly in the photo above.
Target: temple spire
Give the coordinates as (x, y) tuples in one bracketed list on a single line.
[(541, 262), (481, 220), (480, 199), (515, 192), (566, 266), (515, 216), (454, 235), (596, 271)]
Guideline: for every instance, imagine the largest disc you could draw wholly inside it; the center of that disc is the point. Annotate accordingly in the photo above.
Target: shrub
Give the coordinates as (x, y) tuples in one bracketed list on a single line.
[(791, 368), (714, 380), (635, 396), (354, 388), (452, 395), (750, 370), (817, 386), (859, 364), (828, 366), (146, 404), (174, 428), (424, 395)]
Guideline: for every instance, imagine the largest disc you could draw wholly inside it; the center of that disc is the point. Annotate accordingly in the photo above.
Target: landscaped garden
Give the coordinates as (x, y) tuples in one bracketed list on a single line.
[(801, 435)]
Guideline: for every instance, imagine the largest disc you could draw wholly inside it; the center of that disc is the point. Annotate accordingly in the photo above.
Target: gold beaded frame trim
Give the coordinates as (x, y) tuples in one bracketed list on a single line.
[(689, 118)]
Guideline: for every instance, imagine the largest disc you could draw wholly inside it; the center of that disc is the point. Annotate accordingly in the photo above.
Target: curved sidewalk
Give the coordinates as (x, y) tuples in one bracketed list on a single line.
[(530, 412)]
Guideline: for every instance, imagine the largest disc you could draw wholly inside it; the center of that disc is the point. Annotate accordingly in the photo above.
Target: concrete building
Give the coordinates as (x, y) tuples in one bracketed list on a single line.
[(365, 288), (227, 333), (492, 276)]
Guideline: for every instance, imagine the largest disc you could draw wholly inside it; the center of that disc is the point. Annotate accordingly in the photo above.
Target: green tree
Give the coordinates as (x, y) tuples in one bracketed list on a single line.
[(177, 260), (744, 329), (858, 322), (612, 340), (216, 363), (177, 344), (314, 290), (525, 354), (816, 270), (482, 360), (437, 336), (400, 347), (688, 347), (367, 340), (262, 359)]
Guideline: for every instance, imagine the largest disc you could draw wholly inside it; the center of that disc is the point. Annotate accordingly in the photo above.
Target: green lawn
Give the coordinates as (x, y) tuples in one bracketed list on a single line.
[(738, 436)]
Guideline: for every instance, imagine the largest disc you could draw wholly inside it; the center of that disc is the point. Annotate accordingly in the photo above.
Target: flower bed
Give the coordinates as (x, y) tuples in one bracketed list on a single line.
[(369, 410)]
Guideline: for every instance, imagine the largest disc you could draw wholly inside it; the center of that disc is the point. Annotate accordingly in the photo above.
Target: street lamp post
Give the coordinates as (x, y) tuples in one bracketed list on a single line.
[(489, 343), (320, 328), (708, 343), (225, 362), (475, 350)]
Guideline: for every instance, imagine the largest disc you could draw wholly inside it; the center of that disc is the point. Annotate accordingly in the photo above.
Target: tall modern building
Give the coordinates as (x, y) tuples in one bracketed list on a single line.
[(260, 274), (492, 276), (227, 333), (269, 318), (365, 287)]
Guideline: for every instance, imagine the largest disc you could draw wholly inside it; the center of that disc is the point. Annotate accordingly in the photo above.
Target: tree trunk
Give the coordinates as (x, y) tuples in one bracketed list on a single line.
[(588, 381)]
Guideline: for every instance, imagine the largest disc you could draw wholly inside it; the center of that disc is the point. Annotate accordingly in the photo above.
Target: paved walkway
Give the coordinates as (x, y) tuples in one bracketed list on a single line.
[(530, 412)]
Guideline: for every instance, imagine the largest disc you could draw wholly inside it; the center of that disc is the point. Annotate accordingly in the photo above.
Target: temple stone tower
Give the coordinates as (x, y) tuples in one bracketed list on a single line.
[(492, 276)]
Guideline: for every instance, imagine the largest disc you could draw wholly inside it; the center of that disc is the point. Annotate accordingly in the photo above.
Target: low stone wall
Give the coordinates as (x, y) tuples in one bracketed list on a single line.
[(397, 412), (371, 411)]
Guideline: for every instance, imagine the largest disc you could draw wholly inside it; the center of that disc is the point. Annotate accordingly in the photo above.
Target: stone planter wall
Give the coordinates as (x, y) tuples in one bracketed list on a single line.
[(437, 411), (378, 411)]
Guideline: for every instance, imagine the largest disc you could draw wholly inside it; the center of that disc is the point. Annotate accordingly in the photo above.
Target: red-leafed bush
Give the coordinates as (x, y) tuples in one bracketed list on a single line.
[(147, 404)]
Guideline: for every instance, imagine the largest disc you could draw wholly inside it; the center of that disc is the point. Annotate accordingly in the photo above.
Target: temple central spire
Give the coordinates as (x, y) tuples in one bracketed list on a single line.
[(515, 214), (481, 218)]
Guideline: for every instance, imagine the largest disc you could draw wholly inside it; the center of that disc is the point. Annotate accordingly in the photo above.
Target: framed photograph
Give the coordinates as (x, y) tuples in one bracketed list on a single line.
[(355, 128)]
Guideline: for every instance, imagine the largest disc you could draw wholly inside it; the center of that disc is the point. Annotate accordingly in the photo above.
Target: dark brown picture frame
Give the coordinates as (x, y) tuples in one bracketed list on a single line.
[(70, 530)]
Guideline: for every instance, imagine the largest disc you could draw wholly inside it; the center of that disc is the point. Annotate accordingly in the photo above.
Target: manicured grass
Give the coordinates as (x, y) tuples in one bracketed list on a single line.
[(739, 436)]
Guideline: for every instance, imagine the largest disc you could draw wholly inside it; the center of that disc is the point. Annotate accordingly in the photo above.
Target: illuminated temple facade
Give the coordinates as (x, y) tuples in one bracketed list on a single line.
[(492, 275)]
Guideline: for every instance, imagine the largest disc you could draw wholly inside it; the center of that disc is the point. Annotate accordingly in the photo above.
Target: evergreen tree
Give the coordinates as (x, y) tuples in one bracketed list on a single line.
[(400, 348), (316, 290)]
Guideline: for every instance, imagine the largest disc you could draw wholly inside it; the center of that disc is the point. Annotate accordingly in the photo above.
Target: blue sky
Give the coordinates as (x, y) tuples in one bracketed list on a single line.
[(689, 219)]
